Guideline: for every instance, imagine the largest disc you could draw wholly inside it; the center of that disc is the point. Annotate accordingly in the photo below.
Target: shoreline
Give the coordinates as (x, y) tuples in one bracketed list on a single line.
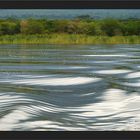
[(67, 39)]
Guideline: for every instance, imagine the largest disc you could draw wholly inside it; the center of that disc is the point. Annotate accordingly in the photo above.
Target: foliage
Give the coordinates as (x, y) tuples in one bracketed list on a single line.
[(31, 26), (81, 25), (111, 27), (8, 27), (60, 38)]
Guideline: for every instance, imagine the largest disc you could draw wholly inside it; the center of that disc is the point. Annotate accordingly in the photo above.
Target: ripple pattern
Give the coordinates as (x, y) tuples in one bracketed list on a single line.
[(69, 88)]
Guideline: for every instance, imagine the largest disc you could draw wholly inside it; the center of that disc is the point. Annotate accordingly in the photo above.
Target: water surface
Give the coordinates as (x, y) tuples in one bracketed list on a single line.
[(51, 87), (70, 13)]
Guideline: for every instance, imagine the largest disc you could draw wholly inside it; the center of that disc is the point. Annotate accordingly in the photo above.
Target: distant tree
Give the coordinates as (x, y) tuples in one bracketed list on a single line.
[(111, 27), (9, 28), (31, 26), (108, 27), (72, 28), (91, 29), (131, 27), (50, 26), (84, 17), (77, 27), (60, 25)]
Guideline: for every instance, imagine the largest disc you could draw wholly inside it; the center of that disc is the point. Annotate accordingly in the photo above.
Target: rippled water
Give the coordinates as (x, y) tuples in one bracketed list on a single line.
[(47, 87)]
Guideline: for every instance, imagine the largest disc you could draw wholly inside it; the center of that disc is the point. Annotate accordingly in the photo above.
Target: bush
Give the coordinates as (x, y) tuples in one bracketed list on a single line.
[(108, 27), (31, 27), (92, 30), (131, 28), (50, 26), (60, 26), (9, 28), (111, 27)]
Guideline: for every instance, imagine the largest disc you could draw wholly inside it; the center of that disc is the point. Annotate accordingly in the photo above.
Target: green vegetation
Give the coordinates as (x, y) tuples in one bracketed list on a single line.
[(67, 39), (81, 30)]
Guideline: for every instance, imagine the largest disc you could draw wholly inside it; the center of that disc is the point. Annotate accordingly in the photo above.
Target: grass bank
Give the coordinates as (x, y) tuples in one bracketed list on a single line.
[(67, 39)]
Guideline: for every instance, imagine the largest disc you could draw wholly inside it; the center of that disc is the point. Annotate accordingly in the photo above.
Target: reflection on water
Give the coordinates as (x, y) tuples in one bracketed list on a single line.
[(46, 87)]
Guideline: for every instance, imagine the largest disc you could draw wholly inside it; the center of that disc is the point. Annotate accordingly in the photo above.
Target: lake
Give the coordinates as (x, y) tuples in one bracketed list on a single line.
[(69, 87), (70, 13)]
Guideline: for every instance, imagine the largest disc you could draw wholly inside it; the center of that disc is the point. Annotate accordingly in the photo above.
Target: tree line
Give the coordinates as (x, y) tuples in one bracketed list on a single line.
[(79, 25)]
